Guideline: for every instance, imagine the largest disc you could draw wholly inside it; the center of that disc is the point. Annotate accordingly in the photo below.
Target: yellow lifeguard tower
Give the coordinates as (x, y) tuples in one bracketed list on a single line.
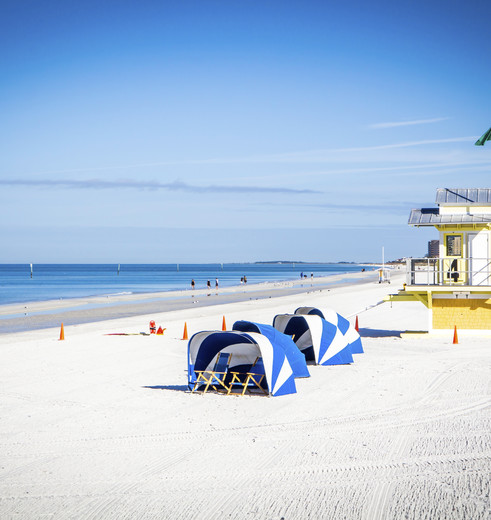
[(456, 287)]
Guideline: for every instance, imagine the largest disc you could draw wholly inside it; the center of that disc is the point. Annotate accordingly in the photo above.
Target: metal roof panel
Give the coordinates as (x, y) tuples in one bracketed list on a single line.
[(463, 196), (431, 217)]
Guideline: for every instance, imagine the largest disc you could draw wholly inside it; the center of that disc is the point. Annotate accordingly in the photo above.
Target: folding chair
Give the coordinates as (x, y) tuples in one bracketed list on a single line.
[(215, 377), (251, 379)]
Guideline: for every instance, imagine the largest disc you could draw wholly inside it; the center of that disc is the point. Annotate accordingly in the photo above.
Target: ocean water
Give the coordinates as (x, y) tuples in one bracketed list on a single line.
[(55, 281)]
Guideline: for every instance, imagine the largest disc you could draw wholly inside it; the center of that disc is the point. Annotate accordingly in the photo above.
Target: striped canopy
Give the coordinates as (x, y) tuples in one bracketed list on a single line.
[(245, 348), (347, 329), (309, 310), (295, 357), (319, 340)]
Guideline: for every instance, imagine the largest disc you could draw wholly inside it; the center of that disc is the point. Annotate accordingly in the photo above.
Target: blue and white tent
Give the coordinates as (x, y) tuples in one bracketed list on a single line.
[(295, 357), (347, 329), (319, 340), (354, 340), (309, 310), (244, 348)]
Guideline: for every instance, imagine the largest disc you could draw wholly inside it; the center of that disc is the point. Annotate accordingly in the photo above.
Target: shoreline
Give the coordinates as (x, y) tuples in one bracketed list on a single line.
[(166, 281), (32, 316)]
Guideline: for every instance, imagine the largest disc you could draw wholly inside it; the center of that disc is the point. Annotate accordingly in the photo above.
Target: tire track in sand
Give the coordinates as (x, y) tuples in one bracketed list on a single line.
[(101, 506), (379, 502), (363, 422)]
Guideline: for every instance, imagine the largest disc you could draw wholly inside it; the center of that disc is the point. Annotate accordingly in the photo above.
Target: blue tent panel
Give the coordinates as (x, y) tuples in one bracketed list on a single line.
[(295, 357), (355, 344), (244, 348), (343, 357), (343, 324)]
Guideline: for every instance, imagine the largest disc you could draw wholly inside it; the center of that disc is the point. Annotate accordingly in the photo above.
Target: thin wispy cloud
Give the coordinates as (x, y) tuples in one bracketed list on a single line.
[(395, 124), (409, 170), (413, 169), (384, 208), (406, 144), (306, 156), (98, 184)]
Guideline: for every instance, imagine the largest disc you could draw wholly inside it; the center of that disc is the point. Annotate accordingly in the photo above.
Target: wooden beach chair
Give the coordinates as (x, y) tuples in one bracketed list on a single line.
[(214, 378), (250, 380)]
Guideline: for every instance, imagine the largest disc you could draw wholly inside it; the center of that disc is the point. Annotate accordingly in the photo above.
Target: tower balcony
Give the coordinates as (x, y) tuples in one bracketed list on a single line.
[(457, 272)]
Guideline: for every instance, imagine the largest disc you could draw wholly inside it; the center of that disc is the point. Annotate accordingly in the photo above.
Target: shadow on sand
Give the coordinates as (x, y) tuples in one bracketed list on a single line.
[(380, 333), (174, 388)]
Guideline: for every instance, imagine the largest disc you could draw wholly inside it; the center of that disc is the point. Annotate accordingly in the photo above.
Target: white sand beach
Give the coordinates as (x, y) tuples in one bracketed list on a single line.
[(103, 427)]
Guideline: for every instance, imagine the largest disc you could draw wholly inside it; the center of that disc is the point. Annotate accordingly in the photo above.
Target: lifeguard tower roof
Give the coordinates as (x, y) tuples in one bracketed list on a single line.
[(463, 196), (459, 198)]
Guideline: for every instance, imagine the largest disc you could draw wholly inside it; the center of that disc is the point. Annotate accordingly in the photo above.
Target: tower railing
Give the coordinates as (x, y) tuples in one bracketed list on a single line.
[(449, 271)]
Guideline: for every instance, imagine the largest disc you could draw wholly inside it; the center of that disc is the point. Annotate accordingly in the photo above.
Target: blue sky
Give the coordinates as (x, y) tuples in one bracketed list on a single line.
[(218, 131)]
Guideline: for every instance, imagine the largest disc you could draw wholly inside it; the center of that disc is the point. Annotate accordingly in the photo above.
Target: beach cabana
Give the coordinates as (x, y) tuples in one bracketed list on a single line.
[(295, 357), (346, 328), (245, 350), (317, 339)]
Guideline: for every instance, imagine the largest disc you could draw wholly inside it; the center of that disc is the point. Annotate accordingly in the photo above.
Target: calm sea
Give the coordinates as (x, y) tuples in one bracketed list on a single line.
[(54, 281)]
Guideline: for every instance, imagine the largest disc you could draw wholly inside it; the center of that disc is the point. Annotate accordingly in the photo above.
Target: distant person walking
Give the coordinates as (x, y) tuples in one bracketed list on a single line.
[(192, 284), (245, 279), (208, 284), (216, 284)]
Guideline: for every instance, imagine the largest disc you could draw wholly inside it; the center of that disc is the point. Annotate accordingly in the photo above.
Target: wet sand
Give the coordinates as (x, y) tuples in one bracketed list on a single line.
[(46, 314)]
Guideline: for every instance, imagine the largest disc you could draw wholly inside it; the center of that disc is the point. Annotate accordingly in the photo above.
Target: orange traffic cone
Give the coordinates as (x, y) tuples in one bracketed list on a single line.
[(62, 333), (356, 324), (224, 325), (455, 338), (185, 334), (160, 331)]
